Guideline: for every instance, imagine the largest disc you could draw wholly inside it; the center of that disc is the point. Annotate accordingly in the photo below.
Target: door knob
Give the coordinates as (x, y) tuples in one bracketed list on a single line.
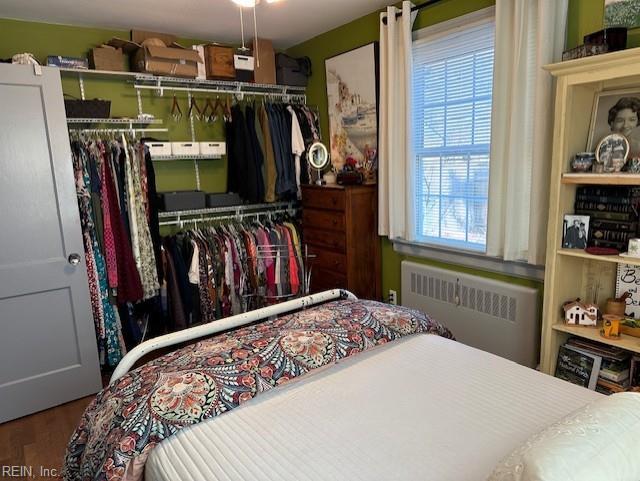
[(74, 259)]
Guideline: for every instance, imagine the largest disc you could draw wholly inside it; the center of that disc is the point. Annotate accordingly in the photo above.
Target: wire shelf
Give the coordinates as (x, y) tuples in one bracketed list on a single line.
[(118, 121), (166, 158)]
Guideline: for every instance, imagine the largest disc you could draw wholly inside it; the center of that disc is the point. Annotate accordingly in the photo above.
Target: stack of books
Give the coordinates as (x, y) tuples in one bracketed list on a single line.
[(606, 369), (614, 214)]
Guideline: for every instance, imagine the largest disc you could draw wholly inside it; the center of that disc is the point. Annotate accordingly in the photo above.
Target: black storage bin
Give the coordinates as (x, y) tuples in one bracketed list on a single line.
[(223, 200), (88, 109), (292, 71), (182, 200), (613, 38)]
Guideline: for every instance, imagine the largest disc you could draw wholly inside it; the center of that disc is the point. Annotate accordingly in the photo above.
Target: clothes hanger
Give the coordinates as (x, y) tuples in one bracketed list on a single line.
[(176, 111), (193, 106)]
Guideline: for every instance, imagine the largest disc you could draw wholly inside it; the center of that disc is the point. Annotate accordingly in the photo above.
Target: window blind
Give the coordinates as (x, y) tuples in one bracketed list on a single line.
[(452, 93)]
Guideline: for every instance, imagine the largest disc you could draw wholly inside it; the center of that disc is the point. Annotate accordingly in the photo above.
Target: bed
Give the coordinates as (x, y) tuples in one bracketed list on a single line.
[(420, 407)]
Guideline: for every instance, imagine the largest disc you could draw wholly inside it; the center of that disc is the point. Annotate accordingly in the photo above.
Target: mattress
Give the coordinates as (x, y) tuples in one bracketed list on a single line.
[(424, 408)]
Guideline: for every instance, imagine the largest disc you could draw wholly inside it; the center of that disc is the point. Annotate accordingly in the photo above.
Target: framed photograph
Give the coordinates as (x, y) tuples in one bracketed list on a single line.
[(616, 112), (575, 232), (352, 94), (612, 152), (622, 13)]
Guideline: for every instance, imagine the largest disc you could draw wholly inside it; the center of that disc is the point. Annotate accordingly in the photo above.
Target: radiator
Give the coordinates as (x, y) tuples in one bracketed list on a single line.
[(490, 315)]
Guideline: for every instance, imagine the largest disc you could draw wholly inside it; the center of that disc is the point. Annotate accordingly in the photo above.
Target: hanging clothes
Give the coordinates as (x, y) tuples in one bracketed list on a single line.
[(115, 182), (233, 268)]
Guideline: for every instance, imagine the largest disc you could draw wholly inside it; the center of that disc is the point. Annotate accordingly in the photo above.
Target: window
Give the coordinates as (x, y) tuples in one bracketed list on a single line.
[(452, 93)]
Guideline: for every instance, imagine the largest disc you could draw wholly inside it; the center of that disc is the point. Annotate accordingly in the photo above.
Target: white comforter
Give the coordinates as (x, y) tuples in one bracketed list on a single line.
[(425, 408)]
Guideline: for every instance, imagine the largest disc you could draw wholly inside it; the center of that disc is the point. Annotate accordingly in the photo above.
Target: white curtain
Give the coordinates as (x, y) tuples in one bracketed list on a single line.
[(529, 34), (395, 186)]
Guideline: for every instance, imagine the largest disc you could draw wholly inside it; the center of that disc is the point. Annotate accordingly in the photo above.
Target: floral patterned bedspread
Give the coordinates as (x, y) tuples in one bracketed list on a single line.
[(206, 379)]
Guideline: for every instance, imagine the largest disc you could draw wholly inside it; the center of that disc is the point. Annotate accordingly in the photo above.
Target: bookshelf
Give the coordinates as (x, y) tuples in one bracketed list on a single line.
[(572, 273)]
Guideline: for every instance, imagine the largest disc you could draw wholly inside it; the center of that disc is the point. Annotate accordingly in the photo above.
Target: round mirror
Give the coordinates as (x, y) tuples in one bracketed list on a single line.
[(318, 156)]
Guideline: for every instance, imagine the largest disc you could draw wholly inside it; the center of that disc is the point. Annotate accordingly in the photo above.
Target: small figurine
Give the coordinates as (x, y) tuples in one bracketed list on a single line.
[(580, 313), (610, 327)]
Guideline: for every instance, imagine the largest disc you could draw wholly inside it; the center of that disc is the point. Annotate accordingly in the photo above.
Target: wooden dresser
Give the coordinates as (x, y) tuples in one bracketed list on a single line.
[(340, 226)]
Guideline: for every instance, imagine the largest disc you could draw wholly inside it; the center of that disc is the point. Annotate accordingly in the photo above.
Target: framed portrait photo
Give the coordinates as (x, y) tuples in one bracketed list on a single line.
[(616, 112), (575, 232)]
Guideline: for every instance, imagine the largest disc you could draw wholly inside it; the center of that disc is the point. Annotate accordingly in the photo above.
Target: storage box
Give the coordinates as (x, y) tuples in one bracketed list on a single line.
[(182, 200), (213, 148), (292, 71), (614, 38), (185, 148), (108, 58), (67, 62), (265, 67), (159, 149), (174, 61), (158, 54), (202, 66), (219, 61), (223, 200), (88, 109), (244, 65)]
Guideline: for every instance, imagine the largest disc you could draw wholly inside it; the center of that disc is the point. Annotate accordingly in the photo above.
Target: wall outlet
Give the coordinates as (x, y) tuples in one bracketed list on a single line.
[(393, 297)]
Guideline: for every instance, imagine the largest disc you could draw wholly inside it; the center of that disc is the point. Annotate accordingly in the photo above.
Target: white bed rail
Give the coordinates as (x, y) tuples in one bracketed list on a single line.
[(214, 327)]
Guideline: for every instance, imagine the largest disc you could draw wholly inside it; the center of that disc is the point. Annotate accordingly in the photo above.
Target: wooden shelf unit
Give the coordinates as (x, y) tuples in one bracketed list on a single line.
[(572, 273), (601, 179), (629, 343)]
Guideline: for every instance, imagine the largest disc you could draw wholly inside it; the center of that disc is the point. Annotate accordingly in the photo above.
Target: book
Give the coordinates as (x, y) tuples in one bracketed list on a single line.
[(620, 216), (609, 191), (610, 235), (604, 199), (634, 372), (578, 367), (598, 349), (614, 376), (628, 280), (607, 387), (602, 207), (615, 226)]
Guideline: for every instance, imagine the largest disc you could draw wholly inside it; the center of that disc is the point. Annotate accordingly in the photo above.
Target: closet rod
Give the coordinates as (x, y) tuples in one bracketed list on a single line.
[(239, 217), (292, 205), (417, 8)]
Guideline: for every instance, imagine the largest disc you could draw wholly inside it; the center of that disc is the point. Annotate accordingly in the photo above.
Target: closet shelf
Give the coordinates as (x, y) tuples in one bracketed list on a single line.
[(146, 81), (601, 179), (114, 121), (634, 261), (166, 158), (626, 342)]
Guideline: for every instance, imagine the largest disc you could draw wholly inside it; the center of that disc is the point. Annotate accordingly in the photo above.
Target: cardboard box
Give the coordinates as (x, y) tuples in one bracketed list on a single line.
[(163, 58), (174, 61), (202, 66), (265, 67), (108, 58), (219, 61)]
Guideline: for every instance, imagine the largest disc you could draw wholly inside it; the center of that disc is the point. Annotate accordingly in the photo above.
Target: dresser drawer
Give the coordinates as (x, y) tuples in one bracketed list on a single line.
[(327, 198), (332, 220), (324, 280), (326, 238), (327, 259)]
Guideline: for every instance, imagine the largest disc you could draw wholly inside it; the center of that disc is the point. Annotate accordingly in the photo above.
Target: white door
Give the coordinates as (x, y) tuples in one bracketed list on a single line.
[(48, 352)]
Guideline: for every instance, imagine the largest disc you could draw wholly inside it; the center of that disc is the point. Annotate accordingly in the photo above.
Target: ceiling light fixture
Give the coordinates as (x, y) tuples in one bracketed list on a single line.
[(246, 3)]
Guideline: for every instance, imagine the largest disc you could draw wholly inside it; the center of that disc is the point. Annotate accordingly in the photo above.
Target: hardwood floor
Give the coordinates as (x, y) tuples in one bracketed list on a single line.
[(39, 441)]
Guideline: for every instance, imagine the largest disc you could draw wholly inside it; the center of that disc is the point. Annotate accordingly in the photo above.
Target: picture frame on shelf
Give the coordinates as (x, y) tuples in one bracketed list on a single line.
[(616, 111), (575, 231)]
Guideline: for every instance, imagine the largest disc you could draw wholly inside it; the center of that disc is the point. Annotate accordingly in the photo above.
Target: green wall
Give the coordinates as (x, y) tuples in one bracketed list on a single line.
[(43, 39)]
